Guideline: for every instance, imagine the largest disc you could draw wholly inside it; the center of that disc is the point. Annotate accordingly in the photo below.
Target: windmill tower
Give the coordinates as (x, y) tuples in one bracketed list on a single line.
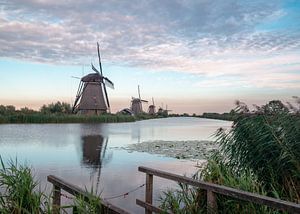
[(136, 104), (166, 111), (160, 109), (91, 98), (151, 109)]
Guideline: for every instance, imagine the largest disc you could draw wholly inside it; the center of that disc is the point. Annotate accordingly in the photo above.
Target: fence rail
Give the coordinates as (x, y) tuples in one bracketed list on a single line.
[(59, 184), (212, 191)]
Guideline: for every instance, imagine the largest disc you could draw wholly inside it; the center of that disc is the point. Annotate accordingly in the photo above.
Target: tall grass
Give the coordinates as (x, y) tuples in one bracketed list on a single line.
[(269, 146), (65, 118), (260, 153), (19, 192), (192, 200)]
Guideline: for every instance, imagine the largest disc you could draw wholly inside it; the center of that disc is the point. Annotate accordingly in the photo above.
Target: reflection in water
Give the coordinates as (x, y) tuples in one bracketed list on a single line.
[(79, 153), (93, 150), (93, 153)]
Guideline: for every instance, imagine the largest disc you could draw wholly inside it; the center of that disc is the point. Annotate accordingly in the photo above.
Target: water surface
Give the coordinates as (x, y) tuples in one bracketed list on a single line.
[(86, 154)]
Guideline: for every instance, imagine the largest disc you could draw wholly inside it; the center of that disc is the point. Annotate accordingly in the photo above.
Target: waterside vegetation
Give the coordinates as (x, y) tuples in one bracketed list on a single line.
[(22, 194), (60, 112), (260, 154)]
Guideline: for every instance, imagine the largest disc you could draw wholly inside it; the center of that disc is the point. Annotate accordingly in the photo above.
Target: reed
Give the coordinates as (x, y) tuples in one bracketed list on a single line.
[(65, 118), (260, 153), (19, 192)]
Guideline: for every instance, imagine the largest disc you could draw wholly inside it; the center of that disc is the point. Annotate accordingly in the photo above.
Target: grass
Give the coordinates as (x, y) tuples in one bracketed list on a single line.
[(64, 118), (260, 154), (19, 190), (21, 194)]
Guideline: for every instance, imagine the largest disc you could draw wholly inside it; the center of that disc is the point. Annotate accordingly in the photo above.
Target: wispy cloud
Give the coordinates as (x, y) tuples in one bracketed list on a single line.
[(212, 38)]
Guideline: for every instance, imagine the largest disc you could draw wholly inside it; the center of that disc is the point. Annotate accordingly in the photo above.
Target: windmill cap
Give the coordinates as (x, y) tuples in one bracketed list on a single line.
[(92, 77)]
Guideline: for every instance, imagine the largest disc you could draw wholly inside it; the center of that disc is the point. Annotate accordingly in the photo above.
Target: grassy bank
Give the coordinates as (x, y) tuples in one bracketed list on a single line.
[(65, 118), (260, 154), (22, 194)]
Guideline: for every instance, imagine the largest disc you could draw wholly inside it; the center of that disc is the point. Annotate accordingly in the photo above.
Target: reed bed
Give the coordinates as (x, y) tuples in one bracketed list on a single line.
[(20, 193), (65, 118), (261, 154)]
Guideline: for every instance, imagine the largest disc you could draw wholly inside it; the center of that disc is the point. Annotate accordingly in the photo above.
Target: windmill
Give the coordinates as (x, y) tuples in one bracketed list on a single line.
[(136, 103), (166, 111), (163, 112), (151, 109), (91, 95)]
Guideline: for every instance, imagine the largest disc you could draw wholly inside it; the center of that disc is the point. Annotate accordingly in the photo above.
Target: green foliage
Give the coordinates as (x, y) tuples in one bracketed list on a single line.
[(267, 143), (18, 193), (192, 200), (7, 110), (56, 108), (90, 204), (65, 118), (260, 153)]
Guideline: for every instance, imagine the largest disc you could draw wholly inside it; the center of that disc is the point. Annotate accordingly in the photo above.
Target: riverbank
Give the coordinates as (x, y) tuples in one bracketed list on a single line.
[(193, 150), (65, 118)]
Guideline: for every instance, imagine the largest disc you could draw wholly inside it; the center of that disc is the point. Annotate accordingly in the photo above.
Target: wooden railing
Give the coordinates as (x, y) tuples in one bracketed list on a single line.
[(59, 184), (212, 191)]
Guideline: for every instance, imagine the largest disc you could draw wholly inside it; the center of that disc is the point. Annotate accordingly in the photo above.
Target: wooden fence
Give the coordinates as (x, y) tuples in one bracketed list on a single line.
[(212, 191), (59, 184)]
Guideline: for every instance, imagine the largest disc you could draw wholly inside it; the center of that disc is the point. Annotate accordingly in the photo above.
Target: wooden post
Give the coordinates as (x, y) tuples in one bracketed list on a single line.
[(212, 206), (56, 199), (149, 191)]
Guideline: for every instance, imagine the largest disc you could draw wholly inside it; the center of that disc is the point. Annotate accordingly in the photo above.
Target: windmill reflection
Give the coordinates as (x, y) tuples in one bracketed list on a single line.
[(94, 153), (93, 150)]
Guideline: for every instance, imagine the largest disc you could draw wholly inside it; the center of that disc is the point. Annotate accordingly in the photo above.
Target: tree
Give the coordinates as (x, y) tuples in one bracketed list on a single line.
[(56, 108)]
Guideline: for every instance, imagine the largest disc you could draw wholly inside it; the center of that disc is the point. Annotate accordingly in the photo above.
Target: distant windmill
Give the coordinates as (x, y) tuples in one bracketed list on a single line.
[(163, 112), (136, 104), (151, 109), (92, 96), (166, 111), (160, 109)]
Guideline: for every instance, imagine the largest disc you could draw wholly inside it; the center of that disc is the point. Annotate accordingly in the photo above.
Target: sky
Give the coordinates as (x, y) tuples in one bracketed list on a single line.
[(193, 55)]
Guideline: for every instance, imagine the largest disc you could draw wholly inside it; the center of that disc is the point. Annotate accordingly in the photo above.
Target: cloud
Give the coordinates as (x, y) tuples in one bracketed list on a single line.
[(211, 38)]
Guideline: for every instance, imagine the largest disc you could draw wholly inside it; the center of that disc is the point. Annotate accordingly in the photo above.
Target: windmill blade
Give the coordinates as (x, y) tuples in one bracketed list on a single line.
[(75, 77), (108, 83), (95, 69), (100, 65), (139, 92), (145, 101), (153, 101), (107, 101)]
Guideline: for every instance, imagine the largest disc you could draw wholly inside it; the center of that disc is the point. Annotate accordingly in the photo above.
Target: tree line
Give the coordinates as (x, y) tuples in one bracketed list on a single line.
[(53, 108)]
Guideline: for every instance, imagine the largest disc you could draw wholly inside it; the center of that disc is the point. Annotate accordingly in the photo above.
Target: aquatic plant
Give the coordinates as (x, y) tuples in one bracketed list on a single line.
[(90, 204), (267, 143), (65, 118), (260, 153), (19, 192)]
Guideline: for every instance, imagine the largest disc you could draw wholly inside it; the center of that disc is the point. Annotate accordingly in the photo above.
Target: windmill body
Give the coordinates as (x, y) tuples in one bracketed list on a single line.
[(151, 109), (136, 104), (91, 98)]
